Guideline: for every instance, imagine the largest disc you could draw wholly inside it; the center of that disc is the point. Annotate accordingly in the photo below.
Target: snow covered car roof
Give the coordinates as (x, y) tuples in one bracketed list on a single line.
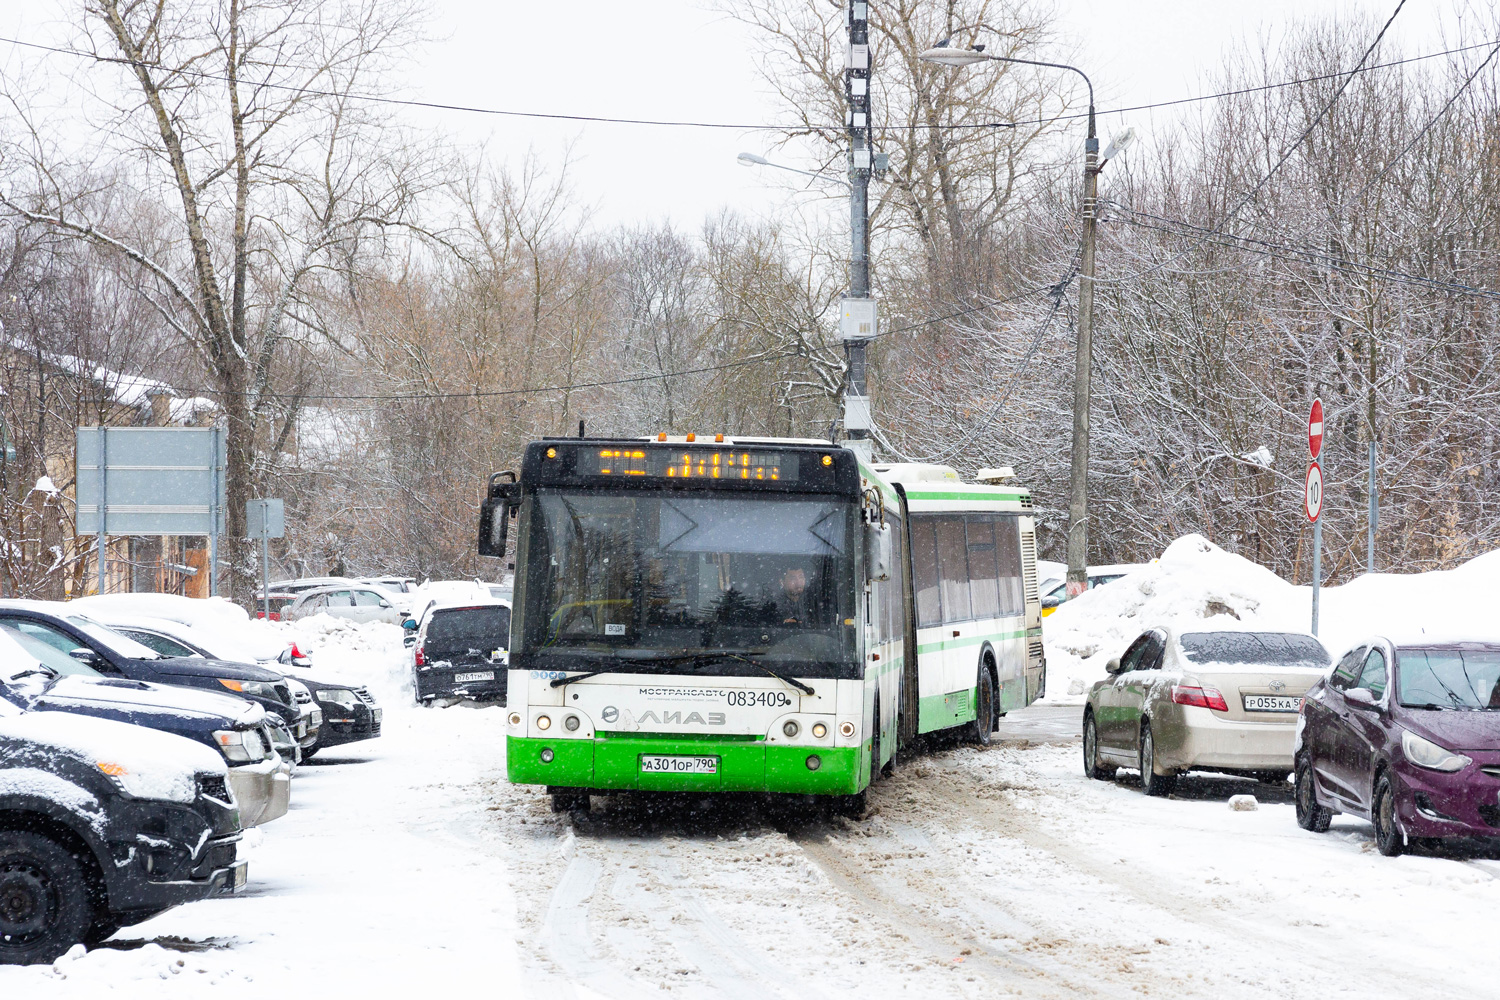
[(453, 605)]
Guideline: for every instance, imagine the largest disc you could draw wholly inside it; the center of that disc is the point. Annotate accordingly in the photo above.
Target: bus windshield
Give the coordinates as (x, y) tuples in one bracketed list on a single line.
[(638, 578)]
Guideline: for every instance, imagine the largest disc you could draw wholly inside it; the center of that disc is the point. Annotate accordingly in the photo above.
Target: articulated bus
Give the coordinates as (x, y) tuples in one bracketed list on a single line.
[(754, 615)]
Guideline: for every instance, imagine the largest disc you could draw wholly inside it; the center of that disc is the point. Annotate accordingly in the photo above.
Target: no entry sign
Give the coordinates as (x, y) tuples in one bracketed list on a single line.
[(1312, 497), (1315, 428)]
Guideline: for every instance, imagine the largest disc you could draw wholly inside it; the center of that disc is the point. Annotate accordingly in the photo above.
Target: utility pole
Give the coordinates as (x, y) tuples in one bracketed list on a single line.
[(1083, 372), (858, 321)]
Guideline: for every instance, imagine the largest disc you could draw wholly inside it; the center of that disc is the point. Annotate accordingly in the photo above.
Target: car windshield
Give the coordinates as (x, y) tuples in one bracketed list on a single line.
[(121, 644), (463, 627), (1449, 678), (632, 576), (164, 645), (1276, 649), (38, 653)]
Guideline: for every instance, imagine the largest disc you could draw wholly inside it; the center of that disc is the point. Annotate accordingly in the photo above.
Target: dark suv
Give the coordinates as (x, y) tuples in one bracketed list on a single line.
[(104, 824), (460, 651), (115, 654)]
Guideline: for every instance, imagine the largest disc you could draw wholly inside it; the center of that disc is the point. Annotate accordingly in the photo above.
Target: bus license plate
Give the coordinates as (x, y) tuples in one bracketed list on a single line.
[(1272, 703), (659, 764), (478, 675)]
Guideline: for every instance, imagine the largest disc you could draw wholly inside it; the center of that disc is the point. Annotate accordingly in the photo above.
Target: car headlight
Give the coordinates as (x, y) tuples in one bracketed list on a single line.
[(1425, 753), (240, 746), (259, 689), (343, 697)]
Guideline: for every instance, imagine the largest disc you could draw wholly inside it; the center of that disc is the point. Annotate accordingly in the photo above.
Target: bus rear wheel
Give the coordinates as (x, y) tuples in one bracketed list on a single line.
[(982, 728)]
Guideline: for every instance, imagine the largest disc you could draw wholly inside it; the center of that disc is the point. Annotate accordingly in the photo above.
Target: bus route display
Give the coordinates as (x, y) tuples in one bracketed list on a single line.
[(688, 463)]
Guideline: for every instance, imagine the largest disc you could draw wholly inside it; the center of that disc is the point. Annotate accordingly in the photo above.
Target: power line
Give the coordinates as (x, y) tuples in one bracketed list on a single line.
[(742, 126), (1288, 252)]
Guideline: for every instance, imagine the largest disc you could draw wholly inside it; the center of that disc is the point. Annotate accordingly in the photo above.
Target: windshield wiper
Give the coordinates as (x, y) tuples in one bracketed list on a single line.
[(702, 656), (560, 681), (38, 671)]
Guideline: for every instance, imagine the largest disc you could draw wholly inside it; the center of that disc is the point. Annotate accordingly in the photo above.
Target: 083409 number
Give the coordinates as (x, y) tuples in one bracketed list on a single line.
[(746, 699)]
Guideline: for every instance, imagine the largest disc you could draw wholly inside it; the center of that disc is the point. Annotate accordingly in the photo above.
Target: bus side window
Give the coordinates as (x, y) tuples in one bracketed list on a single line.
[(984, 575), (1008, 549), (953, 567), (924, 568), (891, 591)]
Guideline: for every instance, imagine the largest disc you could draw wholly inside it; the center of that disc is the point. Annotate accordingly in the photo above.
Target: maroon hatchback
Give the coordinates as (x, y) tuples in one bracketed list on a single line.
[(1406, 736)]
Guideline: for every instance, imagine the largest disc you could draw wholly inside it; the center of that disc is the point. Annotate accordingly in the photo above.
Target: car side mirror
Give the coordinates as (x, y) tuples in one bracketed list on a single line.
[(83, 655), (878, 552), (1113, 666), (1360, 696), (1051, 602), (410, 624), (384, 603), (410, 639)]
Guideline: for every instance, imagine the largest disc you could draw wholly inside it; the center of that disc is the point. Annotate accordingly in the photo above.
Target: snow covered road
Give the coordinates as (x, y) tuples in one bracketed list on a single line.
[(411, 864)]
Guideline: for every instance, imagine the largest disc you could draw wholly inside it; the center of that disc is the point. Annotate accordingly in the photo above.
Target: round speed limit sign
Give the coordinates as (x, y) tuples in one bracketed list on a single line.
[(1312, 497)]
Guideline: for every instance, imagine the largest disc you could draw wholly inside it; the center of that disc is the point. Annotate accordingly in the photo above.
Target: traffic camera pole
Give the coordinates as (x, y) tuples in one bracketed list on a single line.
[(857, 98), (1083, 373)]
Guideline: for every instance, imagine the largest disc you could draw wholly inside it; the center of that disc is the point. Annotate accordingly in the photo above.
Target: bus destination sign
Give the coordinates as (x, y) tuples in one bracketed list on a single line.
[(688, 463)]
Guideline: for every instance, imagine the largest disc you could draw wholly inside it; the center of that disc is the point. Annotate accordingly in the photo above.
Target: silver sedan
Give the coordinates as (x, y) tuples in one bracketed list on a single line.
[(1200, 701)]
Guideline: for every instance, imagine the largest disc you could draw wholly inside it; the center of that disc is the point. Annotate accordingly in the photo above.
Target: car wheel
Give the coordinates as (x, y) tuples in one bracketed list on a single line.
[(1388, 839), (1091, 766), (1310, 815), (44, 899), (307, 752), (1151, 782), (982, 729)]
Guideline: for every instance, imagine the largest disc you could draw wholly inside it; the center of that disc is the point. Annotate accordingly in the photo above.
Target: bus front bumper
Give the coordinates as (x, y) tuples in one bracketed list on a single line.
[(616, 765)]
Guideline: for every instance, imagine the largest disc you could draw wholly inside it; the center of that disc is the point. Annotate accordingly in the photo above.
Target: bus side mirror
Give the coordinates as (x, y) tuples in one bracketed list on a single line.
[(493, 527), (878, 552)]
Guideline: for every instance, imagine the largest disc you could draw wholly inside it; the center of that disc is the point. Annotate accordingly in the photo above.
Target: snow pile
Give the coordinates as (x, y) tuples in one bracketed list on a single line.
[(152, 765), (1198, 585), (369, 653)]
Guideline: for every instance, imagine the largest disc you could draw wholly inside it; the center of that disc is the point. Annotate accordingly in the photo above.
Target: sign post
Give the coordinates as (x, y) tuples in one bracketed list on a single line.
[(151, 481), (1312, 501), (266, 518)]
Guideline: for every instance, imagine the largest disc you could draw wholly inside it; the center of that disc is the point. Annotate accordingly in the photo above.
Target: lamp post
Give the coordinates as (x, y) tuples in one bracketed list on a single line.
[(752, 160), (944, 54)]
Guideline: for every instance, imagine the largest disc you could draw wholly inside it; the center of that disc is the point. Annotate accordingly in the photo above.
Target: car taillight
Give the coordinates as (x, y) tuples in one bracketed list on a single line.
[(1199, 697), (421, 657)]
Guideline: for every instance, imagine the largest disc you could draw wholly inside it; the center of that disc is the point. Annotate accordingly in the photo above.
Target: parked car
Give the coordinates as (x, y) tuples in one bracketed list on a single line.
[(353, 602), (116, 654), (176, 639), (350, 714), (279, 601), (102, 825), (35, 676), (304, 583), (460, 650), (1407, 736), (1201, 701), (395, 584), (1054, 589)]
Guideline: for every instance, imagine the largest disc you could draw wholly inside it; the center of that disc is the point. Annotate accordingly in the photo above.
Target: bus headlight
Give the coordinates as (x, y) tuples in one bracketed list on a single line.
[(543, 722), (814, 762), (820, 730), (846, 730), (571, 723), (791, 728), (547, 755), (515, 718)]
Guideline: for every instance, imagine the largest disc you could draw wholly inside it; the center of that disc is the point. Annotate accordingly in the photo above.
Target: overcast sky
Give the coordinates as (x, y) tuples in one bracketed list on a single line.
[(676, 59)]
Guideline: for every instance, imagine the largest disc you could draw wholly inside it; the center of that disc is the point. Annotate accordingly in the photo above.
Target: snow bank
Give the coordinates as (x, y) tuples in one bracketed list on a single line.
[(369, 653), (1198, 585)]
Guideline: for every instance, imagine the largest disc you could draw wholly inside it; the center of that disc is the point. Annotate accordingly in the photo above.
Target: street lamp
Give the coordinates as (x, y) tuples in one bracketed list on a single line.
[(752, 160), (945, 54)]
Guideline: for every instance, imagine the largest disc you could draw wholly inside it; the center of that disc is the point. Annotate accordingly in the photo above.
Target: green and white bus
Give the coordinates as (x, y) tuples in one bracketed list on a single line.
[(753, 615)]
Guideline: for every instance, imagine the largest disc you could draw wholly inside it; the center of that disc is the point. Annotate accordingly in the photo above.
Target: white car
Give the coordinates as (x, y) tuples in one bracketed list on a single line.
[(356, 602)]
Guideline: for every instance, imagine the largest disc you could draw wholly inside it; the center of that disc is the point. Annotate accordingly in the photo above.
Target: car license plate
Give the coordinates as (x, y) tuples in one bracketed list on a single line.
[(661, 764), (478, 675), (1272, 703)]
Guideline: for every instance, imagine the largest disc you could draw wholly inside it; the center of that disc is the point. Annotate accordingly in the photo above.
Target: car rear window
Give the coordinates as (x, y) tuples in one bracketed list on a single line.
[(479, 626), (1280, 649)]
